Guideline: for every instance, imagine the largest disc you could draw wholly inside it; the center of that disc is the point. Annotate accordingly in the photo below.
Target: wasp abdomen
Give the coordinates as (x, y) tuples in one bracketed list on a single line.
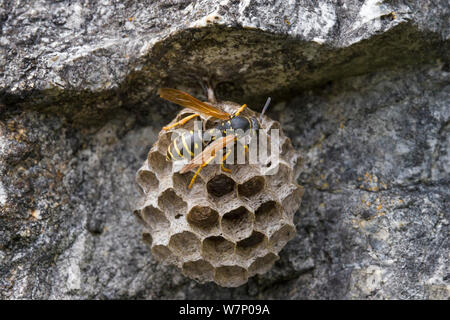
[(185, 146)]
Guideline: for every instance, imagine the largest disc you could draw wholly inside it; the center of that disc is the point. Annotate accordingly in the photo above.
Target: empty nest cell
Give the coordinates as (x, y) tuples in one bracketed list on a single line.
[(147, 180), (279, 174), (220, 185), (155, 218), (217, 249), (262, 264), (199, 270), (243, 172), (251, 187), (252, 245), (158, 162), (267, 215), (164, 140), (237, 224), (185, 244), (230, 276), (171, 203), (203, 217)]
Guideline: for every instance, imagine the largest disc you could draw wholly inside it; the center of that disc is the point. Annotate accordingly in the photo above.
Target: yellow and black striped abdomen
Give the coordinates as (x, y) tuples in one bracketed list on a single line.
[(185, 146)]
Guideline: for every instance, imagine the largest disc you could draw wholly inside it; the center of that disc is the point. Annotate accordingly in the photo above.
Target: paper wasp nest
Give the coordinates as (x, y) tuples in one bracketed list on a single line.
[(229, 226)]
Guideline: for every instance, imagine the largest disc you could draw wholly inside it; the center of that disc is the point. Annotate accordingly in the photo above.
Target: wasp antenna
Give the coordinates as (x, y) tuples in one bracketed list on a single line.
[(264, 108)]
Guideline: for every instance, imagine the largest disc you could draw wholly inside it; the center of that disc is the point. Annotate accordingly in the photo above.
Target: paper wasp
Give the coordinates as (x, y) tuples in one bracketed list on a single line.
[(232, 127)]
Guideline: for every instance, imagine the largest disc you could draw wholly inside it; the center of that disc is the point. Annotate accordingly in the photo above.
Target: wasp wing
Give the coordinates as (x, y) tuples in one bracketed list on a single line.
[(185, 100), (210, 151)]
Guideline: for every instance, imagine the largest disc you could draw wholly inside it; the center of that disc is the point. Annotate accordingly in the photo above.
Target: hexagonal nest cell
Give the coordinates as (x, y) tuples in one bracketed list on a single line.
[(229, 226)]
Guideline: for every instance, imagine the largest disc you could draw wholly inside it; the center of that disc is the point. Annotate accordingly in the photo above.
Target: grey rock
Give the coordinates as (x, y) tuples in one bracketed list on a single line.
[(361, 87)]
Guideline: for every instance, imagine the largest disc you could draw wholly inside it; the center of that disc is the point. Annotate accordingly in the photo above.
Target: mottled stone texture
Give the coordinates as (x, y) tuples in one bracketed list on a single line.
[(360, 87)]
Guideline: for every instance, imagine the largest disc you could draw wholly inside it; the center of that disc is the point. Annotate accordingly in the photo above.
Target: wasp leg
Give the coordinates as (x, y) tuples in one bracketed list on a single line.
[(181, 122), (223, 160), (200, 169), (245, 149), (240, 109)]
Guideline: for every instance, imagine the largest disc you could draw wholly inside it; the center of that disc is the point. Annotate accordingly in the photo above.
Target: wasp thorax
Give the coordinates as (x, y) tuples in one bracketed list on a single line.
[(230, 225)]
